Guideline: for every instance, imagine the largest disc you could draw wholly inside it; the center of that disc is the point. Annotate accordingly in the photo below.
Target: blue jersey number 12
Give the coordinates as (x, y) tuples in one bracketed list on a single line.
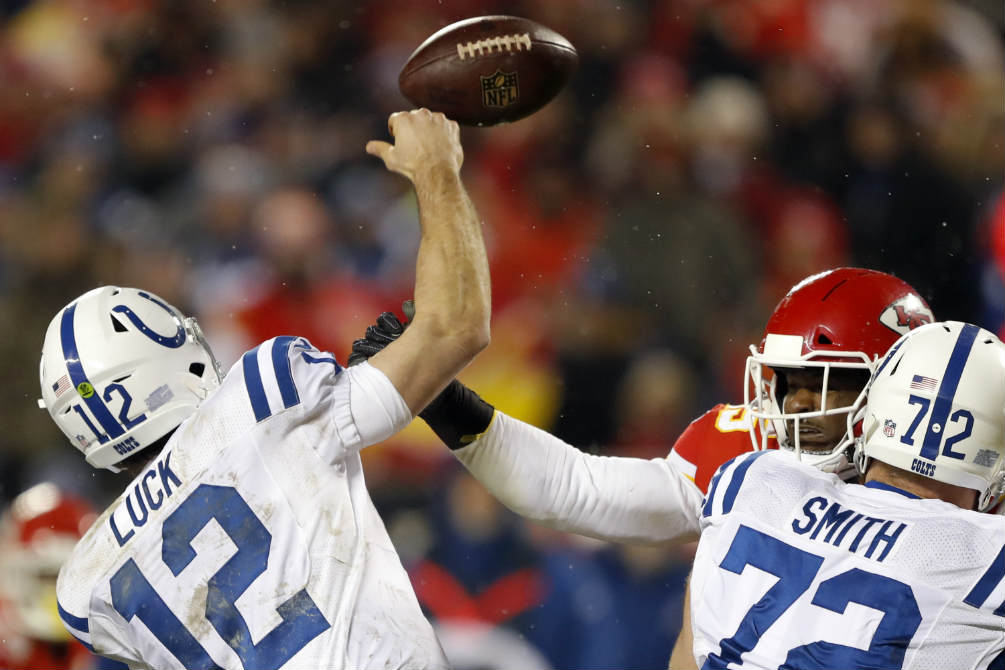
[(133, 595)]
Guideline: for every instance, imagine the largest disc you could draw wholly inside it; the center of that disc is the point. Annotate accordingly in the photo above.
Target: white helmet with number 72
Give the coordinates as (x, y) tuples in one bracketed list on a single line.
[(936, 406), (120, 369)]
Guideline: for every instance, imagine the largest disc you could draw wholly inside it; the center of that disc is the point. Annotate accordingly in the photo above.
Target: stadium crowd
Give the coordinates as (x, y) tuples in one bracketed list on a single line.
[(707, 155)]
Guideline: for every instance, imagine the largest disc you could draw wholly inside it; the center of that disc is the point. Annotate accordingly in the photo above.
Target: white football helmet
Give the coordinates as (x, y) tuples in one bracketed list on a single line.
[(120, 369), (936, 406)]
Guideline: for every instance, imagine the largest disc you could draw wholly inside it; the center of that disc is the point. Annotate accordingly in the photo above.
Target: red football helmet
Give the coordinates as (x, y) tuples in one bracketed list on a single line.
[(37, 533), (841, 318)]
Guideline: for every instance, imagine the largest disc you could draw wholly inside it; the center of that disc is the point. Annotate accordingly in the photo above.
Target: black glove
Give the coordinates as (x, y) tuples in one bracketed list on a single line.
[(387, 329), (458, 415)]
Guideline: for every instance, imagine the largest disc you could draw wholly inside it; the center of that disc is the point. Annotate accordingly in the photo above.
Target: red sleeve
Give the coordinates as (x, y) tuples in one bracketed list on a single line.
[(720, 434)]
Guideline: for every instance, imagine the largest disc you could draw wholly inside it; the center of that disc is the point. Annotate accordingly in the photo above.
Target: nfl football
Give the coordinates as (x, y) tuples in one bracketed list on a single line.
[(488, 69)]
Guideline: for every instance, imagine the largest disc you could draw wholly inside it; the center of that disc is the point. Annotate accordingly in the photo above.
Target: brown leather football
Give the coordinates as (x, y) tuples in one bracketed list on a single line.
[(488, 69)]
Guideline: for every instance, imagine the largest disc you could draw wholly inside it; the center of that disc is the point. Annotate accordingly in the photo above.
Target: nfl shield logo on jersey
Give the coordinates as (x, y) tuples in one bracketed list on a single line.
[(889, 428)]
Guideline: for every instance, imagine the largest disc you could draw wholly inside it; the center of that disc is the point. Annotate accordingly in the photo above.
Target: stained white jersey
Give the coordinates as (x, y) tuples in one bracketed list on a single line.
[(797, 569), (250, 540)]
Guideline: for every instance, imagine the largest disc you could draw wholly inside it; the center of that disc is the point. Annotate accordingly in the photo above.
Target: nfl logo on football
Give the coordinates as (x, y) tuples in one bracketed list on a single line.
[(889, 428), (500, 89)]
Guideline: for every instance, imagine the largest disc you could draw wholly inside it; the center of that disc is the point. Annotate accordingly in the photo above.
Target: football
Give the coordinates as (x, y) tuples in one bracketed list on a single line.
[(488, 70)]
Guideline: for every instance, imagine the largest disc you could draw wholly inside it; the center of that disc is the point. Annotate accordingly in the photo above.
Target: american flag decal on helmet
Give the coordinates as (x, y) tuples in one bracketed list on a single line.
[(62, 386), (920, 383)]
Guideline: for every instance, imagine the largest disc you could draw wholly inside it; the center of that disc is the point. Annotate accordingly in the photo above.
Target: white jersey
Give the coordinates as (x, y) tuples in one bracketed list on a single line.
[(250, 540), (797, 569), (794, 568)]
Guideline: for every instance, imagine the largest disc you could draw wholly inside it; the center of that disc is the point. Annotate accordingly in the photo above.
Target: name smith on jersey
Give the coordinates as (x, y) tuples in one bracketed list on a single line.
[(828, 521)]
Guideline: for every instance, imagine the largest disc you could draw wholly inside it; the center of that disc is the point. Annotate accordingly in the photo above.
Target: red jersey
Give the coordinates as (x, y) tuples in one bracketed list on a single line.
[(721, 433), (18, 652)]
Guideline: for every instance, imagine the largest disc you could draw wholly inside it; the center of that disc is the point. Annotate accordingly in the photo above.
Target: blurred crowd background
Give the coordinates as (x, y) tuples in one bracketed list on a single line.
[(707, 155)]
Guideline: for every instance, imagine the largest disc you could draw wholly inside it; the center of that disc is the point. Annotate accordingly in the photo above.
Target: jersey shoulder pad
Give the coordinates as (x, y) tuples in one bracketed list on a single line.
[(712, 439), (278, 373), (727, 483), (989, 592)]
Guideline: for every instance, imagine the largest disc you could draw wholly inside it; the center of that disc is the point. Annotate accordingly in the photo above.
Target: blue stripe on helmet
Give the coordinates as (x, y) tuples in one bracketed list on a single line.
[(888, 357), (947, 391), (78, 377)]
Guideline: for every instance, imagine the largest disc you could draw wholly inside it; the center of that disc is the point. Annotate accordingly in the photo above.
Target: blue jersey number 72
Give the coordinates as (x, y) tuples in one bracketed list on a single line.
[(134, 596), (796, 570)]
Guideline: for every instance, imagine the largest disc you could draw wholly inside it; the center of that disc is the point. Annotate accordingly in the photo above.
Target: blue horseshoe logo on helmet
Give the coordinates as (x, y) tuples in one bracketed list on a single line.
[(171, 342)]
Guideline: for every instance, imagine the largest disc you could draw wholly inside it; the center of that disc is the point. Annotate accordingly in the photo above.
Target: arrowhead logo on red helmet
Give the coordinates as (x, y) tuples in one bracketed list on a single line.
[(906, 313)]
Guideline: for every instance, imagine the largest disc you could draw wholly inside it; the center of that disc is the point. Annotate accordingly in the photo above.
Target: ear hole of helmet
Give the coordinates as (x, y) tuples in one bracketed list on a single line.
[(823, 339), (197, 369), (896, 365), (117, 325), (781, 385)]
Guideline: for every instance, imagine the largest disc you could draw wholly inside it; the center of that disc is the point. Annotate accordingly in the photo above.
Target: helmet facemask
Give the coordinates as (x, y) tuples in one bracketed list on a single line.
[(769, 381)]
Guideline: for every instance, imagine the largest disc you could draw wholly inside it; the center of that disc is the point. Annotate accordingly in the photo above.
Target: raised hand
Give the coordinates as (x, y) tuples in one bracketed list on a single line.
[(423, 140)]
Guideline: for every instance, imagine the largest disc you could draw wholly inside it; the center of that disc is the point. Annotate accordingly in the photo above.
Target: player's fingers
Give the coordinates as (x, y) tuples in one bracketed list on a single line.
[(366, 347), (389, 323), (379, 149), (408, 307), (378, 335), (394, 120)]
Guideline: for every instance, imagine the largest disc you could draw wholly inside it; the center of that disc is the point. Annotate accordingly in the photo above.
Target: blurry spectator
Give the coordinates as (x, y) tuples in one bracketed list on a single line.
[(806, 142), (805, 235), (479, 567), (992, 232), (705, 155), (655, 401), (895, 198), (619, 607), (303, 285)]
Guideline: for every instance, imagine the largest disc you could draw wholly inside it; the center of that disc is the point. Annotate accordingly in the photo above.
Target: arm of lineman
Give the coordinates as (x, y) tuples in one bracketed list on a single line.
[(682, 656), (451, 324), (611, 498), (541, 477)]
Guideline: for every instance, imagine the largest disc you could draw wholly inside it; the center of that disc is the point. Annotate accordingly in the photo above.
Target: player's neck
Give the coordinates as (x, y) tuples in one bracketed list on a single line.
[(134, 468), (139, 461), (921, 486)]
